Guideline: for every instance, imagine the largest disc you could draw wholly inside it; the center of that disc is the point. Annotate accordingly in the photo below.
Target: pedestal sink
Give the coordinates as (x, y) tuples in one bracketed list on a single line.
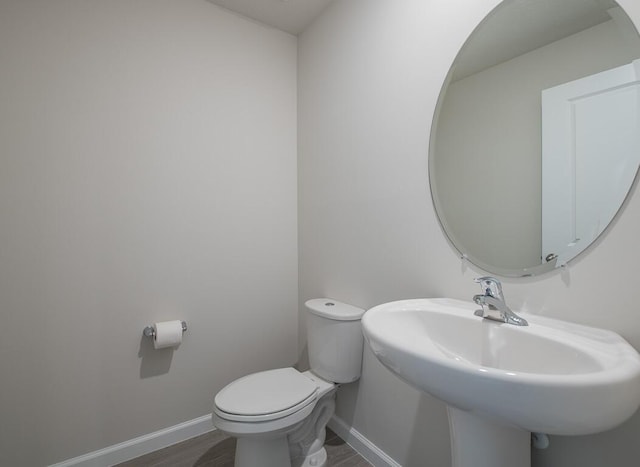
[(501, 382)]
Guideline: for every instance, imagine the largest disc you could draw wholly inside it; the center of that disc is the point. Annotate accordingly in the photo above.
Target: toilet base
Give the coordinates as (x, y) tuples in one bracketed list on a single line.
[(306, 443), (317, 459), (303, 446), (251, 452)]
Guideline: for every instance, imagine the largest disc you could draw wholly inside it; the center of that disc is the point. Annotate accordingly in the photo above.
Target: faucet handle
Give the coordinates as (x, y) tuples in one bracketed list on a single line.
[(490, 286)]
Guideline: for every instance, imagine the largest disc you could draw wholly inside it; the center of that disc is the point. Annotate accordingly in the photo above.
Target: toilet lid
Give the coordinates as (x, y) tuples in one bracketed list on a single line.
[(266, 392)]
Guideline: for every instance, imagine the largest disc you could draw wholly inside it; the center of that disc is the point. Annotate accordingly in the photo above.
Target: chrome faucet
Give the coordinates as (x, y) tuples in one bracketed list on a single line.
[(493, 305)]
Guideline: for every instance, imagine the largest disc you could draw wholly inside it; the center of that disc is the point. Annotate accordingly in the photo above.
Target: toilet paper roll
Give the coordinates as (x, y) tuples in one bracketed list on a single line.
[(167, 334)]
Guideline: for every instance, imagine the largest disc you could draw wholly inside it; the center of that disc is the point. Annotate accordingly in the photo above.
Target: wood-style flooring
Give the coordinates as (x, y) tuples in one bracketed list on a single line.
[(215, 449)]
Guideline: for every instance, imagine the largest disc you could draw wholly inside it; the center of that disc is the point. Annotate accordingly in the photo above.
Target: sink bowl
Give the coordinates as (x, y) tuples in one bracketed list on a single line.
[(551, 376)]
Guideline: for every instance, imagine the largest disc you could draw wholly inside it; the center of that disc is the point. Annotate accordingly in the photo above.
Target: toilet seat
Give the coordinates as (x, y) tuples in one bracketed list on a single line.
[(265, 396)]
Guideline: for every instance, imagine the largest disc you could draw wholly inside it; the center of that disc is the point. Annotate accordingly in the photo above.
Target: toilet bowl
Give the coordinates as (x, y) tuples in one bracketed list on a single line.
[(264, 410), (279, 416)]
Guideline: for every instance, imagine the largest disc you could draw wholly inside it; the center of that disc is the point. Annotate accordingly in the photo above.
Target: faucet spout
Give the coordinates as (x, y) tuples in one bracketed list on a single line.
[(493, 304)]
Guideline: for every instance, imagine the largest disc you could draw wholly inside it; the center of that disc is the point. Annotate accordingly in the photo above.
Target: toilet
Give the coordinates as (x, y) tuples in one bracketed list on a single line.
[(279, 416)]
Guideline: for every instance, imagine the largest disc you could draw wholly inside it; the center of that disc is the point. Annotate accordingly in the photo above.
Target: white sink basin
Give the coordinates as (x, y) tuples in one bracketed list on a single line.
[(551, 376)]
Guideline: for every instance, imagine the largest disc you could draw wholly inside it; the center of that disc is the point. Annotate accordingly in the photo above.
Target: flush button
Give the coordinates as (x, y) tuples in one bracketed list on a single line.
[(329, 304)]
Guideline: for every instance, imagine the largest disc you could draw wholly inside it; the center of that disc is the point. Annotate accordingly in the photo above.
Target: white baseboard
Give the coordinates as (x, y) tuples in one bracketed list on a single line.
[(142, 445), (357, 441)]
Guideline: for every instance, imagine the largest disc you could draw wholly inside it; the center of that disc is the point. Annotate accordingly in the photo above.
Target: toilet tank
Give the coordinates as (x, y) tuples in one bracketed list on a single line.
[(334, 339)]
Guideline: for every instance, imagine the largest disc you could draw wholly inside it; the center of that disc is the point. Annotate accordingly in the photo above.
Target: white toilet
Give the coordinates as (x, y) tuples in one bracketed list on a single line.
[(279, 416)]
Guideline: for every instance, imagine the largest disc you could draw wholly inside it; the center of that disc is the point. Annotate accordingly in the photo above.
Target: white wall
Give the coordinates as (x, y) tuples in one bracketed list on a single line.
[(147, 172), (370, 72)]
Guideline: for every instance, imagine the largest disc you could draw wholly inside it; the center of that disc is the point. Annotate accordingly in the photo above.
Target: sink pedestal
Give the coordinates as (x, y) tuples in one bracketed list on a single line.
[(479, 442)]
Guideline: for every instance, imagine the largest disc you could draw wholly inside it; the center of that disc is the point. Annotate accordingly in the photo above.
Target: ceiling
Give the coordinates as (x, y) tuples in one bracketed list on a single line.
[(524, 26), (520, 26), (291, 16)]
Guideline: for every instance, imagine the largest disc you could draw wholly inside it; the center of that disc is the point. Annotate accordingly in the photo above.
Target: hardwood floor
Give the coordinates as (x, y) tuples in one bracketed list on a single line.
[(215, 449)]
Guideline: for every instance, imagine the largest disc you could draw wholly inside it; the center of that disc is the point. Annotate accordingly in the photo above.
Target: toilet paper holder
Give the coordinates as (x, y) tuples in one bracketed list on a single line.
[(150, 332)]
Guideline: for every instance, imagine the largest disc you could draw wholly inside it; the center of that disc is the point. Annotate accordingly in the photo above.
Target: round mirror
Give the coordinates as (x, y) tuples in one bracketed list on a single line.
[(536, 139)]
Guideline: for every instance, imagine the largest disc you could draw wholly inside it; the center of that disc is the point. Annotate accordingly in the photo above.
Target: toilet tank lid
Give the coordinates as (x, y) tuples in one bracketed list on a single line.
[(333, 309)]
